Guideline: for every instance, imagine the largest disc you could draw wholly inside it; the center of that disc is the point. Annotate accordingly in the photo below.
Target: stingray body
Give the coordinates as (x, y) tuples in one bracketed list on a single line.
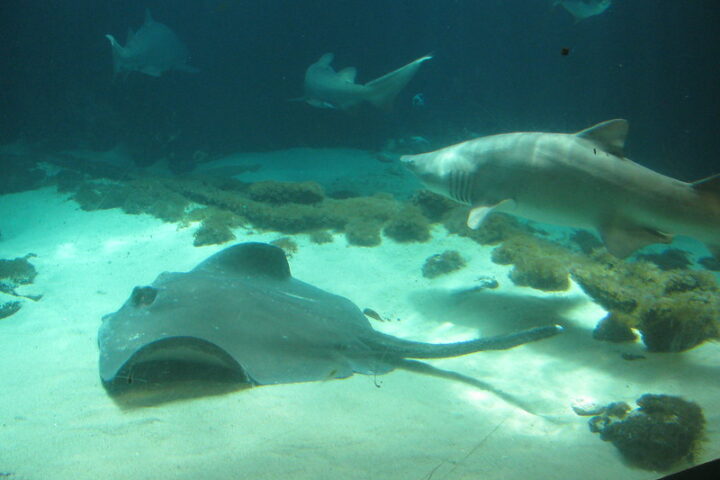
[(152, 50), (243, 310)]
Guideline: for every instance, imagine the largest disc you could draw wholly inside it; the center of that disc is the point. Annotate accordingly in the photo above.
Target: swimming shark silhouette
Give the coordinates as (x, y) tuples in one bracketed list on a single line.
[(582, 9), (152, 50), (579, 180), (326, 88)]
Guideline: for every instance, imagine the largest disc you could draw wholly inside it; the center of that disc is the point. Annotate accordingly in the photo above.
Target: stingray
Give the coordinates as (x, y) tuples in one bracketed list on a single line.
[(242, 310)]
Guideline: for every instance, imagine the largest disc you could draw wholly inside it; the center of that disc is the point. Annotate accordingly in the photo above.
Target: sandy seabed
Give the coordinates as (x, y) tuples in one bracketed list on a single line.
[(57, 422)]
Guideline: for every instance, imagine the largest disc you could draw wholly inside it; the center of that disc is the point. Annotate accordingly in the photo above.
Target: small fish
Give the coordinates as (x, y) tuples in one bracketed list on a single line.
[(369, 312)]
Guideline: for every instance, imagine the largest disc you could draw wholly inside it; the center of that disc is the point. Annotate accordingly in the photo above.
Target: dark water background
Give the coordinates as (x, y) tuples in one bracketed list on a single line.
[(498, 68)]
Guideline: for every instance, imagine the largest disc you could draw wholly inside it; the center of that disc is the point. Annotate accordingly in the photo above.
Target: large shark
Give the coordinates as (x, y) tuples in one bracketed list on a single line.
[(579, 180), (153, 50), (582, 9), (326, 88)]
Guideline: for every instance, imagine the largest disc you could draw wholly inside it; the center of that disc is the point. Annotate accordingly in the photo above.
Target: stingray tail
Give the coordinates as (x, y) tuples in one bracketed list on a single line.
[(382, 91), (398, 347)]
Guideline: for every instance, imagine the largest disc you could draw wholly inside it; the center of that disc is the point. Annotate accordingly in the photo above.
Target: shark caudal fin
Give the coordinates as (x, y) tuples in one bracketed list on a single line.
[(382, 91)]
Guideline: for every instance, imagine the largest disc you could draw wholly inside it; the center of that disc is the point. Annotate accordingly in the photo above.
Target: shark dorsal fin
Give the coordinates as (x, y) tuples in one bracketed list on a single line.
[(251, 259), (607, 136), (148, 16), (348, 74), (709, 184)]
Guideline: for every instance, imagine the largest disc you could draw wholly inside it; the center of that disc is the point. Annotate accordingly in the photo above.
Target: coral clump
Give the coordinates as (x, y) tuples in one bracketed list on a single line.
[(9, 308), (215, 226), (287, 244), (286, 192), (14, 273), (442, 263), (662, 432), (496, 228), (669, 259), (432, 205), (138, 196), (321, 236), (363, 232), (408, 225), (674, 310), (537, 263)]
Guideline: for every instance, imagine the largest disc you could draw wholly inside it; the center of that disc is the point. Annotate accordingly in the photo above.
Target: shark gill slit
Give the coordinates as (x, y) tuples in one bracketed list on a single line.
[(456, 190), (462, 187)]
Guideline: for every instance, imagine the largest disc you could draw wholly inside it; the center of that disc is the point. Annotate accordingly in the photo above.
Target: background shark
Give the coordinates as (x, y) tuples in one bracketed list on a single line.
[(153, 50), (582, 9), (326, 88), (578, 180)]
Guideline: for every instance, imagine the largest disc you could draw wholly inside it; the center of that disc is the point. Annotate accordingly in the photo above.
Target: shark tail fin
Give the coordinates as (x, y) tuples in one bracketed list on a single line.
[(382, 91)]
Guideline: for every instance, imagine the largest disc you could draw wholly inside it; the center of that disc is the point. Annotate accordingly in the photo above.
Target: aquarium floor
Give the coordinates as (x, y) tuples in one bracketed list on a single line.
[(57, 422)]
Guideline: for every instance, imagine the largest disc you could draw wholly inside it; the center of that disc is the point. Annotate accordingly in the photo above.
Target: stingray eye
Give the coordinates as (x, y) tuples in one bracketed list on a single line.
[(143, 296)]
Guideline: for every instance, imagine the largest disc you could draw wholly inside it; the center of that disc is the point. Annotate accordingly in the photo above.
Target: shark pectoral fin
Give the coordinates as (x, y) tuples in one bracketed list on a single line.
[(477, 215), (607, 136), (113, 42), (622, 239)]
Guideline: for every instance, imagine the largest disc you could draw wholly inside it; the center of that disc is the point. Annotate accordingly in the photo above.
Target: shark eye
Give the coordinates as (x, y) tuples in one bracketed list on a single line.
[(143, 296)]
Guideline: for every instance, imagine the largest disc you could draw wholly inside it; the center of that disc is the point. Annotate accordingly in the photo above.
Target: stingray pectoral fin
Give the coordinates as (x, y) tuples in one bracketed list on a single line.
[(400, 348)]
